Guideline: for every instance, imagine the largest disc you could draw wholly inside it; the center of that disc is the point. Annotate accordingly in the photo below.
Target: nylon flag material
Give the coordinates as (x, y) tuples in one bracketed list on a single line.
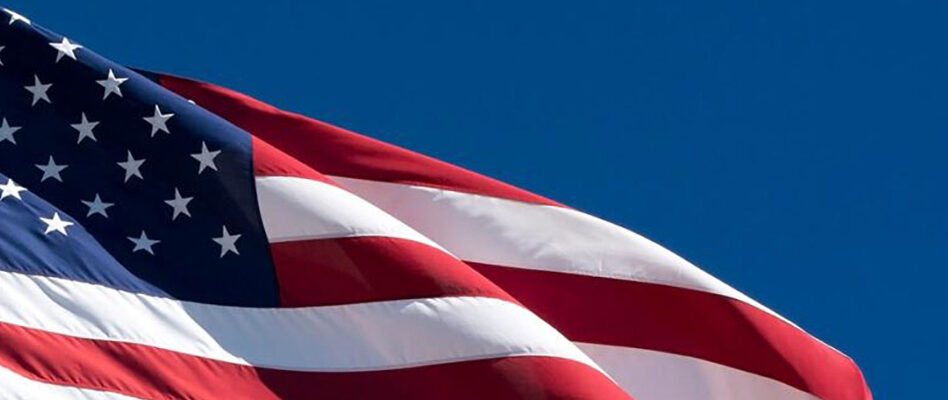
[(164, 238), (150, 249), (660, 326)]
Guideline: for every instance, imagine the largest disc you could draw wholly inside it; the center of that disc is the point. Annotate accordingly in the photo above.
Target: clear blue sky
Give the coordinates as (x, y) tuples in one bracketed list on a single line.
[(798, 150)]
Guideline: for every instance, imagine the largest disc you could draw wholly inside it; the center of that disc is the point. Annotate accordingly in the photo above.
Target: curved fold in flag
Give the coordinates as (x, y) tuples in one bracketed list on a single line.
[(660, 326), (150, 249)]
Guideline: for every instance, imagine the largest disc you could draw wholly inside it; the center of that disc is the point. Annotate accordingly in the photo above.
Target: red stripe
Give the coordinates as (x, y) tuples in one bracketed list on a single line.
[(336, 151), (270, 161), (682, 321), (153, 373), (371, 268)]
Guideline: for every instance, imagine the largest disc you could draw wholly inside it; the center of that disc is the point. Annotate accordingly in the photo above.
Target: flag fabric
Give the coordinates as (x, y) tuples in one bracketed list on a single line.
[(165, 238), (150, 249), (660, 326)]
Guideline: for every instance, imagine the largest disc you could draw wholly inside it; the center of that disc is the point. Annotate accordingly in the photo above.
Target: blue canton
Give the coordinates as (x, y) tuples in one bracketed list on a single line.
[(109, 179)]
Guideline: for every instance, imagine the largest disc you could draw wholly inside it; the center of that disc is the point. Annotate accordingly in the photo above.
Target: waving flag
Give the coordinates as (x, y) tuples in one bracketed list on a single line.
[(167, 238), (150, 249), (660, 326)]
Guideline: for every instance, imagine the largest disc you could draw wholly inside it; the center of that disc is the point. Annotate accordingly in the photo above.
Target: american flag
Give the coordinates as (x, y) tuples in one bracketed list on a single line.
[(164, 238)]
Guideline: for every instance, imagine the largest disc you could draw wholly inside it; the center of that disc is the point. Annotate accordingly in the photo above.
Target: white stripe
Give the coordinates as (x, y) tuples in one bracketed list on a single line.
[(16, 387), (356, 337), (502, 232), (654, 375), (299, 209)]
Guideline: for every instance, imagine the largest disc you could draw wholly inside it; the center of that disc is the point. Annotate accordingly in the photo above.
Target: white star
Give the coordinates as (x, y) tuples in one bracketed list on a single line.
[(206, 158), (65, 48), (11, 189), (56, 224), (39, 90), (180, 204), (228, 242), (14, 16), (85, 128), (131, 167), (158, 121), (7, 131), (51, 170), (111, 84), (143, 243), (97, 206)]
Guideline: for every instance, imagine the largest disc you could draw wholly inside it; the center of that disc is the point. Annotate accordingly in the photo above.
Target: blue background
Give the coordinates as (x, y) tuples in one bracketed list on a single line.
[(795, 150)]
